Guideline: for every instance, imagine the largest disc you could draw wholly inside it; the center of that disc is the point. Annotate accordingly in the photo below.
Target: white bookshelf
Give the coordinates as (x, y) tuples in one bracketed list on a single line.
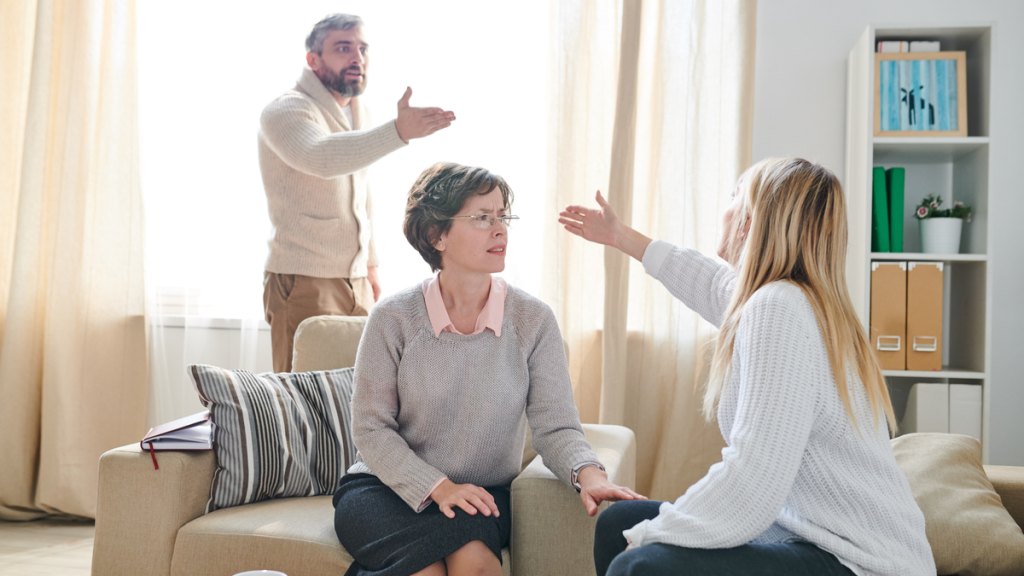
[(956, 169)]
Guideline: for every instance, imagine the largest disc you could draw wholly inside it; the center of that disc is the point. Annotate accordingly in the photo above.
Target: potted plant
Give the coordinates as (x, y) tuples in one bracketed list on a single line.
[(940, 227)]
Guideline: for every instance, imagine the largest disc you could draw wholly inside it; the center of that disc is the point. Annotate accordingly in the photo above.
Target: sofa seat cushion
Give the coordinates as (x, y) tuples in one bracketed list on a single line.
[(1008, 482), (292, 535)]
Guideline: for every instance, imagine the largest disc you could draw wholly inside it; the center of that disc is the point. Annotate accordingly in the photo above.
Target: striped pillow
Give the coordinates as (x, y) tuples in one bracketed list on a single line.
[(276, 435)]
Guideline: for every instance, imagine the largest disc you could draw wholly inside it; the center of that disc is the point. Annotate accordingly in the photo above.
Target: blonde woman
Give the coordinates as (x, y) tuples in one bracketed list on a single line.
[(808, 483)]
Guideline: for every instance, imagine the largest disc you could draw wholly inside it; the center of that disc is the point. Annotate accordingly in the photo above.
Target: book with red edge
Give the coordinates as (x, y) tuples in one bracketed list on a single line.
[(193, 432)]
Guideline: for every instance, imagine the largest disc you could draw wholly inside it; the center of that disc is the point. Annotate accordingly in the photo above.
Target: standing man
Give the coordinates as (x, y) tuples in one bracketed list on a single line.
[(314, 150)]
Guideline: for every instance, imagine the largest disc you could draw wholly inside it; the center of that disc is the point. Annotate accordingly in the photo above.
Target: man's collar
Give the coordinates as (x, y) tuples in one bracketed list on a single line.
[(310, 83)]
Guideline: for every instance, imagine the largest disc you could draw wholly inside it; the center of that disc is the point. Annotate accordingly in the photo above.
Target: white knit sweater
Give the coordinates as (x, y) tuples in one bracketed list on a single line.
[(795, 468), (314, 166)]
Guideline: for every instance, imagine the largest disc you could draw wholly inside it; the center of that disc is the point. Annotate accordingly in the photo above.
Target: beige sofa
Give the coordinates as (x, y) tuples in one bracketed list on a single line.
[(151, 522)]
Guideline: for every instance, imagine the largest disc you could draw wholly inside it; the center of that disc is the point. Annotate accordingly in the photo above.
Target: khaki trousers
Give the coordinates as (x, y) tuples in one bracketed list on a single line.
[(288, 299)]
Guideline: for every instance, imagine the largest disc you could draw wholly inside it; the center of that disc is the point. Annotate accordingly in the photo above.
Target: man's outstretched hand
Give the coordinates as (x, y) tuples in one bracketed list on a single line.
[(415, 122)]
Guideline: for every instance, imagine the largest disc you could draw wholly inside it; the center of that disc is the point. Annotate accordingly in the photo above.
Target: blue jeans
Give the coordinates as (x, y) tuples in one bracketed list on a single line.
[(786, 559)]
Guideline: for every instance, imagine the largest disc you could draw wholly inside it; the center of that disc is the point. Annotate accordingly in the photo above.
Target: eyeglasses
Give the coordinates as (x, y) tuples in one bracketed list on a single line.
[(485, 221)]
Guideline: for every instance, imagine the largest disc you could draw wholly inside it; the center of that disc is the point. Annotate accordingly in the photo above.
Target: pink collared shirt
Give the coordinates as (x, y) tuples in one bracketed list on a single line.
[(490, 317)]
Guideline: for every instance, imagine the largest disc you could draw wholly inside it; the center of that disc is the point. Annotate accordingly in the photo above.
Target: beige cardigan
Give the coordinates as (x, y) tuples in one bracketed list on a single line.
[(314, 168)]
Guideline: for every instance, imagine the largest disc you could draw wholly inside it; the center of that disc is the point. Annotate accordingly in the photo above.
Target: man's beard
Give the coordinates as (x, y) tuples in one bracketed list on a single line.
[(346, 88)]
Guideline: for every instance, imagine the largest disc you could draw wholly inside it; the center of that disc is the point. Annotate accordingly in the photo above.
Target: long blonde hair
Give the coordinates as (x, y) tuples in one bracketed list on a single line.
[(798, 234)]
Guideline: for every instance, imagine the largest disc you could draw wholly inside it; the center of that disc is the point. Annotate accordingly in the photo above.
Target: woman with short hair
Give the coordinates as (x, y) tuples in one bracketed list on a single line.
[(808, 483), (447, 377)]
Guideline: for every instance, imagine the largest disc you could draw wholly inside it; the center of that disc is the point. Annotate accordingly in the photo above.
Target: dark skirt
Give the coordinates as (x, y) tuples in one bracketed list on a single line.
[(388, 538)]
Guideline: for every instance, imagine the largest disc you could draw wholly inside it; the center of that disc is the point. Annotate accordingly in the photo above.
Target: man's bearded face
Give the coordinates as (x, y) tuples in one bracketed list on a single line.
[(349, 82)]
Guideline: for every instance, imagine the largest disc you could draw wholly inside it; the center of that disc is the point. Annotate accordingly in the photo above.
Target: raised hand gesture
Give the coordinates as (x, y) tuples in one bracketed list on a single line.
[(415, 122), (602, 225)]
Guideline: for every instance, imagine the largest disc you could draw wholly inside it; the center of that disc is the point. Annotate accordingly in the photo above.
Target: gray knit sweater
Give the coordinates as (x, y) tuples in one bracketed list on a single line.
[(314, 167), (456, 406)]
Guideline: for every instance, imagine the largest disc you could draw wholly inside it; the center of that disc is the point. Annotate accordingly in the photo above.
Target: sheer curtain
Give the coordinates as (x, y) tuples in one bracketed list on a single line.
[(652, 103), (72, 325)]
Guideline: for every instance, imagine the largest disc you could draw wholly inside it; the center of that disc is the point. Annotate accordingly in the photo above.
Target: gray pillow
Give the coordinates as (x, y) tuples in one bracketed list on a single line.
[(276, 435)]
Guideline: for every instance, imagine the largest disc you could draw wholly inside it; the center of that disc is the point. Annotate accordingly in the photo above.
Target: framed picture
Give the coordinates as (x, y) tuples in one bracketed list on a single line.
[(920, 94)]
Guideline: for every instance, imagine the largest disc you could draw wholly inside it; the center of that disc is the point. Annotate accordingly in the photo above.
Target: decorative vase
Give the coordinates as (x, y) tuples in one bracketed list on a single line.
[(941, 235)]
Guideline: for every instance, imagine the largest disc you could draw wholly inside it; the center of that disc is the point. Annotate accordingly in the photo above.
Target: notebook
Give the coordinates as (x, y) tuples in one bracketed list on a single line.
[(193, 432)]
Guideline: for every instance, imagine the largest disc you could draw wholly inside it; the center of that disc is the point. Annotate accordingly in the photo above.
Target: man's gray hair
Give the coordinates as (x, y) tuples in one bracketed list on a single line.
[(315, 40)]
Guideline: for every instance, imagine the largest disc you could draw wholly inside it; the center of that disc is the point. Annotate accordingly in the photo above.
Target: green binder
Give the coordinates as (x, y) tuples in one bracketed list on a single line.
[(894, 178), (879, 212)]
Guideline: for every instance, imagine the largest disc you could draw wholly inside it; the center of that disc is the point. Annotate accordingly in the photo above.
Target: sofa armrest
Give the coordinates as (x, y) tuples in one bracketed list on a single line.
[(139, 509), (551, 532), (1009, 484)]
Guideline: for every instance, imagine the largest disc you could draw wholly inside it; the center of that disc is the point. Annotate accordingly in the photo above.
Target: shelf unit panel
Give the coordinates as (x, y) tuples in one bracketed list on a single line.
[(919, 256), (857, 183), (946, 372), (925, 150)]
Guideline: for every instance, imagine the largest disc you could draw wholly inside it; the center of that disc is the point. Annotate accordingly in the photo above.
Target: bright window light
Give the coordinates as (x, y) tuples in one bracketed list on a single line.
[(207, 69)]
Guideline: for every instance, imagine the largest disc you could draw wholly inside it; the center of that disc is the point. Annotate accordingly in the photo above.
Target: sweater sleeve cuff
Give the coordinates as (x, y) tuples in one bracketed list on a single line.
[(574, 476), (635, 535), (394, 126), (655, 255), (427, 500)]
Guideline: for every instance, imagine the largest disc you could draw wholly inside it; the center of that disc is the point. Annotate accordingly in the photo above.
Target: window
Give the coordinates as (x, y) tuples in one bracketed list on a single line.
[(207, 69)]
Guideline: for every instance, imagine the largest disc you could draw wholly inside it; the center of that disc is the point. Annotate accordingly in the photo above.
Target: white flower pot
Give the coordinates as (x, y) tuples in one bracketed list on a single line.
[(941, 235)]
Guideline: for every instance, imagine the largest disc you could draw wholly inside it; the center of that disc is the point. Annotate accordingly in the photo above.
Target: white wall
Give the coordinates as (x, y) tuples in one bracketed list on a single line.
[(800, 110)]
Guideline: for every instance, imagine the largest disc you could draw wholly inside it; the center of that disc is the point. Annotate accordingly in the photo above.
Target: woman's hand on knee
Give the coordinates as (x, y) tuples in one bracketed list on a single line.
[(449, 495), (596, 488)]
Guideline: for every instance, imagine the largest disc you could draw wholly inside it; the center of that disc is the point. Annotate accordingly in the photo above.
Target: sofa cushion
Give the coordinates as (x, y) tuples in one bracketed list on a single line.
[(276, 435), (327, 342), (1009, 484), (292, 535), (969, 530)]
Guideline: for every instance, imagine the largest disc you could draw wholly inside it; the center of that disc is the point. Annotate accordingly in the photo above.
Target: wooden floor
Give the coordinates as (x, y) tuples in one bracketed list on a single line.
[(46, 547)]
